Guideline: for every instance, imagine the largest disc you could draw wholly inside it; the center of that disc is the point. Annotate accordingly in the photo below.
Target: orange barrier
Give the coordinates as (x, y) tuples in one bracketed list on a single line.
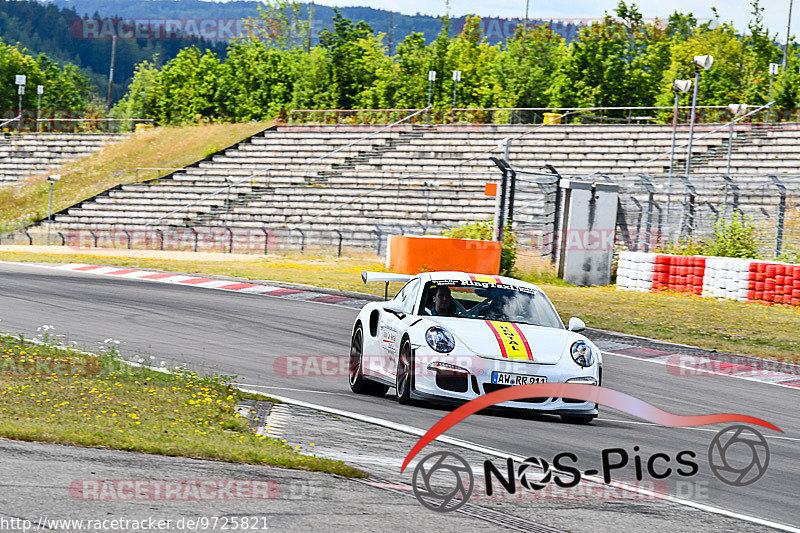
[(411, 255)]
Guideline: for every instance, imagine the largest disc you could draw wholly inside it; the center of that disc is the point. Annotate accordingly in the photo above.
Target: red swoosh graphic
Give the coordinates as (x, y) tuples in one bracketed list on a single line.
[(588, 393)]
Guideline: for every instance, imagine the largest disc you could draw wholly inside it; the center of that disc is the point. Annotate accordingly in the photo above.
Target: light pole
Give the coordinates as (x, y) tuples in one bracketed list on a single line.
[(20, 80), (39, 92), (680, 87), (788, 34), (700, 63), (456, 79), (736, 110), (774, 68), (51, 179), (431, 79)]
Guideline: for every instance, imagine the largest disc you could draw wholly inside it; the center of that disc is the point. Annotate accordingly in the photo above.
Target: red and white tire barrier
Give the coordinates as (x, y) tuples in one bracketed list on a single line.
[(711, 277)]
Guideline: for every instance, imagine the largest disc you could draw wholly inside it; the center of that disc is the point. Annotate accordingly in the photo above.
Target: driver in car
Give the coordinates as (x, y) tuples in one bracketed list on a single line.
[(443, 304), (499, 307)]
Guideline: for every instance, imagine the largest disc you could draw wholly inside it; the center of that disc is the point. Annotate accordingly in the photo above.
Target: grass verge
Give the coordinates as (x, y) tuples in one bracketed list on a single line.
[(53, 394), (745, 328), (166, 147)]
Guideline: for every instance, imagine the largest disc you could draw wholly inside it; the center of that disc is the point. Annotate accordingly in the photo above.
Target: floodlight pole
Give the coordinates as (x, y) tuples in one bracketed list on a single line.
[(431, 79), (788, 35), (39, 92), (773, 69), (691, 121), (20, 91)]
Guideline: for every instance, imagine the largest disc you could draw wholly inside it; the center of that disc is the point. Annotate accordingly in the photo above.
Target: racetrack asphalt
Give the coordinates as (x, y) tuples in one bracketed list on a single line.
[(242, 335)]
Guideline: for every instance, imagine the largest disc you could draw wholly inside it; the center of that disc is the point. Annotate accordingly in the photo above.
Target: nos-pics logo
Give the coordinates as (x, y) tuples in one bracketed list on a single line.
[(444, 481)]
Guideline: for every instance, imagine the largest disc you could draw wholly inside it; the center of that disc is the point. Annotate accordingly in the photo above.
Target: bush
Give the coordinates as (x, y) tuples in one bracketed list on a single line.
[(484, 230), (733, 237)]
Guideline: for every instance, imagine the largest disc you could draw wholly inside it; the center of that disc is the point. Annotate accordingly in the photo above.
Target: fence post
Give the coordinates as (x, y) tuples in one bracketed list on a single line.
[(339, 233), (63, 239), (648, 185), (379, 233), (266, 240), (734, 189), (687, 214), (229, 231), (196, 236), (781, 214), (639, 217), (302, 240), (128, 235), (94, 236), (160, 239)]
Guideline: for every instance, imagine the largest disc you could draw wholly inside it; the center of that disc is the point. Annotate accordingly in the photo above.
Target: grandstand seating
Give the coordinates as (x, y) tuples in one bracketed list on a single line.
[(425, 177), (29, 154)]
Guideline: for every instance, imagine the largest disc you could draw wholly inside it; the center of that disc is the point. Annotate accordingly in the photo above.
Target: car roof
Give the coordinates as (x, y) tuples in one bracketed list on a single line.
[(468, 276)]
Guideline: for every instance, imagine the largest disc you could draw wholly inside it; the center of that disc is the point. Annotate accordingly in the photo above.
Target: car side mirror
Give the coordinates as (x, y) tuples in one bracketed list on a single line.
[(394, 307), (576, 324)]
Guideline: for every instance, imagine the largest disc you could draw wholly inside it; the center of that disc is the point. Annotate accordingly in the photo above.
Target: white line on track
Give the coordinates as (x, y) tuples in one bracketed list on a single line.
[(293, 390), (638, 423), (724, 374)]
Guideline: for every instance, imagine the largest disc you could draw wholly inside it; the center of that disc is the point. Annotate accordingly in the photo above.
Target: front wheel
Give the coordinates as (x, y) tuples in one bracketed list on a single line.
[(405, 373), (358, 383)]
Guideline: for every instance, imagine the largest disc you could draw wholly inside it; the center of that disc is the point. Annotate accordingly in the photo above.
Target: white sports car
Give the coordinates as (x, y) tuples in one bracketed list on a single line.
[(451, 336)]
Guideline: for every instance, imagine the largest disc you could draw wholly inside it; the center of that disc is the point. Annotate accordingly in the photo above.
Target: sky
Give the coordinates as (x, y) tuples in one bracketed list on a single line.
[(738, 11)]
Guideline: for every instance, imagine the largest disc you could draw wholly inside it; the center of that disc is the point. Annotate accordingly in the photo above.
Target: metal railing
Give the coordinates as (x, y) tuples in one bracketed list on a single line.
[(534, 115)]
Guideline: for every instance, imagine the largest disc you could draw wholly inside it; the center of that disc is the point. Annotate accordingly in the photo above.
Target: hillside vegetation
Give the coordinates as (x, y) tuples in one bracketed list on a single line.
[(167, 147)]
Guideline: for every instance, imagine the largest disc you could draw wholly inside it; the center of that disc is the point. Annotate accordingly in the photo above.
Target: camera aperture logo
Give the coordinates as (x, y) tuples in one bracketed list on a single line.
[(443, 481)]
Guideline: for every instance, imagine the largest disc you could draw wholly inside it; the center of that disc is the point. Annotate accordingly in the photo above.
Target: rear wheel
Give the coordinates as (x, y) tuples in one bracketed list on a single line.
[(405, 373), (578, 419), (358, 383)]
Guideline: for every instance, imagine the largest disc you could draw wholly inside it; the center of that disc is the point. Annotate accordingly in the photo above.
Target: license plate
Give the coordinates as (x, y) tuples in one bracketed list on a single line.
[(504, 378)]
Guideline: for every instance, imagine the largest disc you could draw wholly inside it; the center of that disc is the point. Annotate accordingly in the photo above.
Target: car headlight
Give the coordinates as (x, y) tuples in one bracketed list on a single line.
[(440, 339), (582, 354)]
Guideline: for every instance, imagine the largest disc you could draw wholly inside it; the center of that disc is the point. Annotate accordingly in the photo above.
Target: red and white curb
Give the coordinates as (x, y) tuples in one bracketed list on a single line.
[(218, 284), (742, 367)]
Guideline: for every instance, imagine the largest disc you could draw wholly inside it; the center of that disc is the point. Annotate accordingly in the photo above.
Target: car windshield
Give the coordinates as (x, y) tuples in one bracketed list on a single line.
[(488, 301)]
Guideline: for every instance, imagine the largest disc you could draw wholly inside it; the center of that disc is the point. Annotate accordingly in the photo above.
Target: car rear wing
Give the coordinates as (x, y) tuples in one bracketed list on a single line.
[(385, 277)]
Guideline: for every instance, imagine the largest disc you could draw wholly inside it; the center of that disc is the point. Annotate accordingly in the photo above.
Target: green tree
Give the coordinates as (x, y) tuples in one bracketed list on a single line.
[(526, 70), (187, 87), (719, 85), (255, 81), (343, 45), (617, 62)]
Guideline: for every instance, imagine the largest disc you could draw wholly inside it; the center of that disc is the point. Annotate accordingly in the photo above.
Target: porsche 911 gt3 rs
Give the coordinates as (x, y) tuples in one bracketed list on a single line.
[(452, 336)]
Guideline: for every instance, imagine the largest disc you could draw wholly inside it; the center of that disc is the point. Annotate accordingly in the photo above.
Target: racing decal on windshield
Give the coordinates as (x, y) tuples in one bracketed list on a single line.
[(485, 279), (512, 342)]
